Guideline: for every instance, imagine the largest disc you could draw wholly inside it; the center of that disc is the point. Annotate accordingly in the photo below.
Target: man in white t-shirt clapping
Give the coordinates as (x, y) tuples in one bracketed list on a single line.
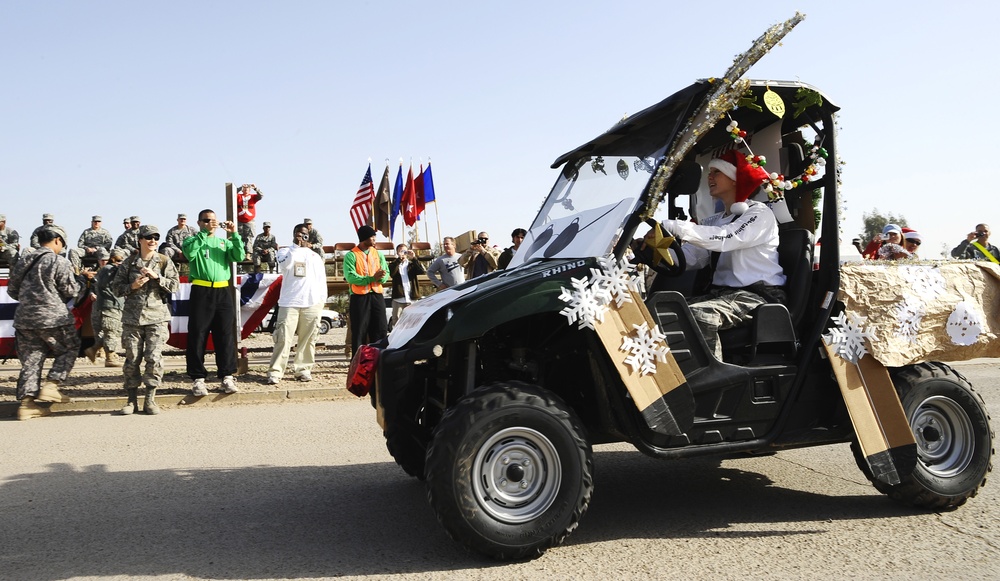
[(303, 293)]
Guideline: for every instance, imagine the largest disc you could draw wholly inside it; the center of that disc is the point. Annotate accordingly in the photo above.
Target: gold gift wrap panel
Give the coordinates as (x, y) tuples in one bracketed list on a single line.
[(877, 290), (663, 397), (879, 421)]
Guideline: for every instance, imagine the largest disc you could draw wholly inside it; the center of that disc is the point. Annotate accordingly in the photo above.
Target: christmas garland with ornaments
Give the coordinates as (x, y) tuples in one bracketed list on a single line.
[(776, 184)]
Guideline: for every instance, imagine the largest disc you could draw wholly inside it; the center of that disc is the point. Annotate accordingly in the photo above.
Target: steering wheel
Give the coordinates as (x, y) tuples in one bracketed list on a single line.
[(652, 256)]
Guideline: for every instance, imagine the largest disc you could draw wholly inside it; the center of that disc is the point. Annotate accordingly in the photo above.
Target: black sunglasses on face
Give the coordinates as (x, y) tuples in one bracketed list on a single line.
[(151, 237), (914, 242)]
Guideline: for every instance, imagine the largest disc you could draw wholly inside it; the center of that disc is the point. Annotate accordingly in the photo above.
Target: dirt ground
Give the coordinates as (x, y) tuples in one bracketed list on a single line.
[(95, 380)]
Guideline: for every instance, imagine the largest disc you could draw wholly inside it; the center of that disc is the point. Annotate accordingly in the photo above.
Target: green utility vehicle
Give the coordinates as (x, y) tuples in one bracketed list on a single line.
[(495, 391)]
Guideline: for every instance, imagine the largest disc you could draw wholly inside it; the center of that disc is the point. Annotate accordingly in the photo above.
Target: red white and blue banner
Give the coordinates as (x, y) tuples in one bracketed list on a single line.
[(258, 295)]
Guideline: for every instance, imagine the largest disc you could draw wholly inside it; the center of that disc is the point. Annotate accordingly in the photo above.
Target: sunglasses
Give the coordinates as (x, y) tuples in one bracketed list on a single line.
[(151, 237), (912, 241), (980, 233)]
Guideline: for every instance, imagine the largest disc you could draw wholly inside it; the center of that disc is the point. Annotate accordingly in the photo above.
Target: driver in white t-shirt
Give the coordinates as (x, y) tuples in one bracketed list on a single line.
[(745, 236)]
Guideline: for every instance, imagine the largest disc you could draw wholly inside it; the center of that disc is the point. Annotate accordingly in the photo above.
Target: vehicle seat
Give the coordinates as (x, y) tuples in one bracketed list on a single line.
[(773, 329)]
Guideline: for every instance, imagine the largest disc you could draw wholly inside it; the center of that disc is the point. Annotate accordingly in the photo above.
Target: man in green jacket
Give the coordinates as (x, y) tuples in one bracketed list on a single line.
[(211, 307)]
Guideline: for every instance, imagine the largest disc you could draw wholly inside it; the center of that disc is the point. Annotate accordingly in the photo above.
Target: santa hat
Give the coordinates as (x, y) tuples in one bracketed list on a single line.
[(911, 234), (748, 177)]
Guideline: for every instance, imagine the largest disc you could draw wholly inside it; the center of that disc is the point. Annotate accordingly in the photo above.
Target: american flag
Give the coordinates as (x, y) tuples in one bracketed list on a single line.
[(361, 210)]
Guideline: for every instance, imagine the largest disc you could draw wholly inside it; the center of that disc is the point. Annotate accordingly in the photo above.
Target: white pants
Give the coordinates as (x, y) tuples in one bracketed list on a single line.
[(301, 323)]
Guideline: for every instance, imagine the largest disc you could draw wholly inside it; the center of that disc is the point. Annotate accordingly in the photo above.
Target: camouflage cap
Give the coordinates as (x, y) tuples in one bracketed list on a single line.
[(58, 230), (96, 219), (148, 230), (103, 254), (133, 219), (48, 217), (182, 216), (307, 221), (118, 253), (3, 217), (267, 224)]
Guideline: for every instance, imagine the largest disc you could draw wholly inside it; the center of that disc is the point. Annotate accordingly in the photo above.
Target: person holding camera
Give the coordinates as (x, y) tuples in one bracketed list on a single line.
[(480, 258), (146, 279), (404, 271), (246, 211), (211, 306), (976, 246), (303, 292)]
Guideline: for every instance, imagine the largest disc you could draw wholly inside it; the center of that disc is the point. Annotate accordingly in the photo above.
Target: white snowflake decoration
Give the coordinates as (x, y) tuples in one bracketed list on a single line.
[(616, 277), (926, 281), (645, 349), (964, 324), (909, 313), (586, 303), (849, 336)]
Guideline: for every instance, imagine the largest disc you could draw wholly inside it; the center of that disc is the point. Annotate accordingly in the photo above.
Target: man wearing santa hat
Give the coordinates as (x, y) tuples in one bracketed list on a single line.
[(745, 237)]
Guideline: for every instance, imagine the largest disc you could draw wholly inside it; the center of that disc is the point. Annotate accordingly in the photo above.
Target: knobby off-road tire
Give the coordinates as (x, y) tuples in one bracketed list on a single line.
[(406, 437), (954, 439), (509, 471)]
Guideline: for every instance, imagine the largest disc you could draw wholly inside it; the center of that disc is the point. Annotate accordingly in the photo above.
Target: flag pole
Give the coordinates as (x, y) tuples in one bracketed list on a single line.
[(437, 214), (371, 206)]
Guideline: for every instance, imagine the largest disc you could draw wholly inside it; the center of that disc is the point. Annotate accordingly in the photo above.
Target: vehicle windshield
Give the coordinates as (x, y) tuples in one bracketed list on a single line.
[(584, 213)]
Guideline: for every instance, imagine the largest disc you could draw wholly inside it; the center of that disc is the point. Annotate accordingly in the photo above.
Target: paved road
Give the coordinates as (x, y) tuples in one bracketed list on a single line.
[(306, 490)]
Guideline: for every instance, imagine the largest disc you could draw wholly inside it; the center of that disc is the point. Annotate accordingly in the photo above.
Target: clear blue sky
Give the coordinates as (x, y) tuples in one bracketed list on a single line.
[(149, 108)]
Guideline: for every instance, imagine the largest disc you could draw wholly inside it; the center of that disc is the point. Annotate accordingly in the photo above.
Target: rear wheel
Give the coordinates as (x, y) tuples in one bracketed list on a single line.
[(509, 471), (324, 326), (954, 440)]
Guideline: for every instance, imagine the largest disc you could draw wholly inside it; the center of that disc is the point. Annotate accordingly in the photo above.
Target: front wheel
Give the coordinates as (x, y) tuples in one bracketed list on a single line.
[(954, 440), (324, 326), (509, 471)]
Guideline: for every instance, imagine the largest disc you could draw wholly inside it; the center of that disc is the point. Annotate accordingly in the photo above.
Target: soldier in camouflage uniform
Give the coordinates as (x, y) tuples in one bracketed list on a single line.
[(129, 240), (174, 243), (9, 244), (92, 239), (47, 220), (315, 239), (146, 279), (42, 282), (106, 314), (265, 249)]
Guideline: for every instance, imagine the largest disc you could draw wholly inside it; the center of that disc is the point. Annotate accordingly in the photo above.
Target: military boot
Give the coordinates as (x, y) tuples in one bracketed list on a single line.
[(49, 392), (132, 404), (149, 406), (91, 353), (29, 409), (112, 360)]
